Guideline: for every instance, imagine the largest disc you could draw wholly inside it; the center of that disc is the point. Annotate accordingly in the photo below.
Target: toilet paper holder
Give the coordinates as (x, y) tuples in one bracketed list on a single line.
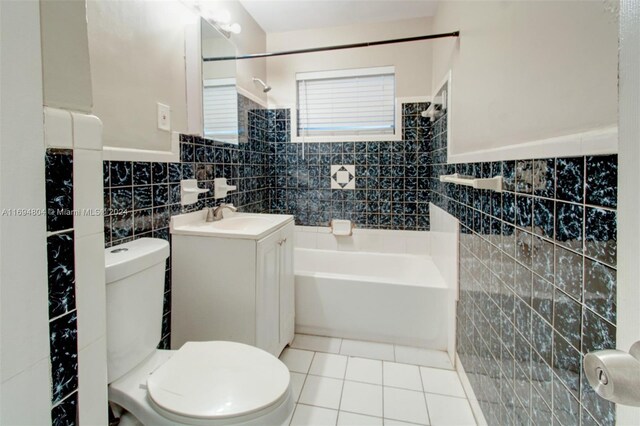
[(615, 374)]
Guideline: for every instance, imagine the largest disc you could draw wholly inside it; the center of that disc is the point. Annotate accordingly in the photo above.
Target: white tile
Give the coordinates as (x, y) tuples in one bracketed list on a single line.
[(87, 131), (443, 382), (57, 128), (313, 416), (424, 357), (321, 392), (317, 343), (88, 198), (297, 380), (91, 299), (393, 242), (26, 397), (362, 398), (391, 422), (92, 384), (328, 365), (364, 370), (326, 241), (352, 419), (447, 410), (417, 244), (405, 405), (297, 360), (382, 351), (403, 376), (305, 240)]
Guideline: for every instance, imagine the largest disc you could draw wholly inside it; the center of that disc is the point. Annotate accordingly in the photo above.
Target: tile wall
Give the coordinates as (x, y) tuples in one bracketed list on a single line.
[(141, 197), (537, 282), (63, 328), (391, 178)]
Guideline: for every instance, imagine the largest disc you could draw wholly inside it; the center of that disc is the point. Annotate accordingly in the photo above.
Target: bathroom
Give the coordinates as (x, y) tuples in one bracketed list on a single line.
[(347, 212)]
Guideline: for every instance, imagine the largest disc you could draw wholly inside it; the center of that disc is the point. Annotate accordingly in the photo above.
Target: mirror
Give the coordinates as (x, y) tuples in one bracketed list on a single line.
[(219, 93)]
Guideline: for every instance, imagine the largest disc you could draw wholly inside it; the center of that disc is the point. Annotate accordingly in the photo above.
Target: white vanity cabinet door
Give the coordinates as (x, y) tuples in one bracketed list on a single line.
[(268, 294), (275, 304), (287, 300)]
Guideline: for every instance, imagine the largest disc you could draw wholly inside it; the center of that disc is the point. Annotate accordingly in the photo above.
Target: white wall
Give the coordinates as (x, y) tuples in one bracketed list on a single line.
[(412, 60), (137, 60), (65, 55), (527, 70), (252, 39), (25, 393), (137, 51)]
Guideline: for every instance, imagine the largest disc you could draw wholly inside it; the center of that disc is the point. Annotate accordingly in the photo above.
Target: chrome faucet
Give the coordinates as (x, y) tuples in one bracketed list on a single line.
[(215, 214)]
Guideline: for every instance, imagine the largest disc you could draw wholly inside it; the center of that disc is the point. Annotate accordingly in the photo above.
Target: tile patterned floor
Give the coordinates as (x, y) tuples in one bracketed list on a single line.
[(351, 383)]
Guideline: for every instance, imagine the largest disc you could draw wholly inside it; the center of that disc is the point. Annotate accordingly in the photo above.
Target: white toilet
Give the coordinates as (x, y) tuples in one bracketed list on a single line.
[(202, 383)]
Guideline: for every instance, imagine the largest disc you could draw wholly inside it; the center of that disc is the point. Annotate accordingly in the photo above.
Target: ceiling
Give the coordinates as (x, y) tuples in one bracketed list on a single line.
[(292, 15)]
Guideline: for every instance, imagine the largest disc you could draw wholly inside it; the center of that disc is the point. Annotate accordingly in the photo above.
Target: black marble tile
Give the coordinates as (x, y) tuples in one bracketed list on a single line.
[(509, 176), (600, 289), (567, 317), (570, 179), (543, 217), (121, 173), (141, 173), (602, 180), (59, 189), (542, 298), (569, 224), (597, 333), (569, 272), (544, 178), (566, 364), (601, 235), (566, 408), (122, 198), (159, 173), (524, 211), (524, 176), (66, 412), (542, 258), (63, 340), (142, 197), (61, 269), (541, 333)]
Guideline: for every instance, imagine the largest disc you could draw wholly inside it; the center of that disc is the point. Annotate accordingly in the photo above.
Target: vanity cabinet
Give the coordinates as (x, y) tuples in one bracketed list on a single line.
[(235, 289)]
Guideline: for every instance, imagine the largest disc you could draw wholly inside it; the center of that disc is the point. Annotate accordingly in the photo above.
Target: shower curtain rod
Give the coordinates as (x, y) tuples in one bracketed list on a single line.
[(337, 47)]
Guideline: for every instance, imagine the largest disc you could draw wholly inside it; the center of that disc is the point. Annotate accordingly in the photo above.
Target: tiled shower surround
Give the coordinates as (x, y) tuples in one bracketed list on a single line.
[(537, 266), (391, 177), (537, 282), (63, 329)]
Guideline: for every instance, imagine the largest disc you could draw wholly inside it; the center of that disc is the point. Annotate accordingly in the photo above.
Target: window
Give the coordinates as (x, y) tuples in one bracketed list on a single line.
[(220, 109), (357, 102)]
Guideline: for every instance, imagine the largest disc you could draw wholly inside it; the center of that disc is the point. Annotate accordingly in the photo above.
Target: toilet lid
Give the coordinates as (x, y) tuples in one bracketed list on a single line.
[(213, 380)]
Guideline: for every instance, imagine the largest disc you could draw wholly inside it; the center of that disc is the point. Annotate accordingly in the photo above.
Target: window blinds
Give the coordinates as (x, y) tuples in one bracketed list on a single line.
[(347, 105), (220, 111)]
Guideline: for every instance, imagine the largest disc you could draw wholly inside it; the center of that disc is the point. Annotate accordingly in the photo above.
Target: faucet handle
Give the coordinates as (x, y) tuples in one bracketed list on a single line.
[(210, 214)]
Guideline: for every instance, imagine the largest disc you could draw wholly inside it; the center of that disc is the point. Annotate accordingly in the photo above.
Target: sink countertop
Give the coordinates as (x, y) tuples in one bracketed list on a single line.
[(251, 226)]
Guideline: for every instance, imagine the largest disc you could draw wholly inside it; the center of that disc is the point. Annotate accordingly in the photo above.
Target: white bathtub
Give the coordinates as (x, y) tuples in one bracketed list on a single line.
[(382, 297)]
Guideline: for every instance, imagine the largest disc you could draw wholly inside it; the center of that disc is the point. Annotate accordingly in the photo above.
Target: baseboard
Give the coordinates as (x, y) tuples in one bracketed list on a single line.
[(471, 396)]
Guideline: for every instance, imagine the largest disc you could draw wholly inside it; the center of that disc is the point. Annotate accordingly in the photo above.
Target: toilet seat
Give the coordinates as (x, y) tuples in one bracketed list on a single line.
[(209, 381)]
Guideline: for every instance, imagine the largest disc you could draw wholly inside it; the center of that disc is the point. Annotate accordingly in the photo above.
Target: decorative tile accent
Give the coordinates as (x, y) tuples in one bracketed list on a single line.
[(61, 280), (59, 189), (343, 177), (537, 282), (62, 284), (64, 355)]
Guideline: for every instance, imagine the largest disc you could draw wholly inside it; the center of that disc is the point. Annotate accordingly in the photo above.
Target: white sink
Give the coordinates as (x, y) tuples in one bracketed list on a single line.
[(234, 225)]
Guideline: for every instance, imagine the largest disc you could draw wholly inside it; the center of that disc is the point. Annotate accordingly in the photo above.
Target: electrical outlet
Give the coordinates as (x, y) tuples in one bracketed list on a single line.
[(164, 117)]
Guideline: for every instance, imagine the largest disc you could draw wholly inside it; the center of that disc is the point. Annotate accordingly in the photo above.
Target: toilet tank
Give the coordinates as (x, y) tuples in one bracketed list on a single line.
[(135, 288)]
